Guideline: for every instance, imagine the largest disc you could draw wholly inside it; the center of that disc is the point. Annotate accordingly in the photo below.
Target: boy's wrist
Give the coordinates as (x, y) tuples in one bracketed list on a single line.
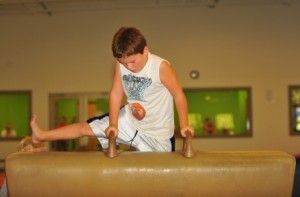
[(113, 125)]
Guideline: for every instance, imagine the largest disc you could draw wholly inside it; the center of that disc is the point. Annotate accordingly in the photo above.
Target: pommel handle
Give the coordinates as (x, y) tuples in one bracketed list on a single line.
[(112, 150), (187, 149)]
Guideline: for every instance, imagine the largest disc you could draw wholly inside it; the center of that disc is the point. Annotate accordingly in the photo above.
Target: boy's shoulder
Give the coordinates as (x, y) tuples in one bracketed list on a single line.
[(157, 58)]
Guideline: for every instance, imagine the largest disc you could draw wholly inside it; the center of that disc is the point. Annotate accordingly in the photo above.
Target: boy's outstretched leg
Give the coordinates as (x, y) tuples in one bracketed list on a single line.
[(71, 131)]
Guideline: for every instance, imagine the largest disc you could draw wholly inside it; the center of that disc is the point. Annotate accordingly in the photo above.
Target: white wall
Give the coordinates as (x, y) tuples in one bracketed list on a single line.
[(255, 46)]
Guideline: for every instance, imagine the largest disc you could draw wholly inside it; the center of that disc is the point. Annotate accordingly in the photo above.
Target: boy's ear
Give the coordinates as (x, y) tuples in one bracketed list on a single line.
[(146, 50)]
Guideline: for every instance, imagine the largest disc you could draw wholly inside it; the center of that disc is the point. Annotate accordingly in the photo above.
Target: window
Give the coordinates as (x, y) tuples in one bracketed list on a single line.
[(294, 109), (15, 113), (218, 112), (68, 108)]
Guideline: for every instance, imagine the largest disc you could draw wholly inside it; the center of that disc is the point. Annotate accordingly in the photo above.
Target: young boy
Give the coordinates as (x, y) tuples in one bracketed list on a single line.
[(150, 85)]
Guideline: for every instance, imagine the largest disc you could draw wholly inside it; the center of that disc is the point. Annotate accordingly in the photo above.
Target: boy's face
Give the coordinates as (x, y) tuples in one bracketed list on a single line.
[(135, 62)]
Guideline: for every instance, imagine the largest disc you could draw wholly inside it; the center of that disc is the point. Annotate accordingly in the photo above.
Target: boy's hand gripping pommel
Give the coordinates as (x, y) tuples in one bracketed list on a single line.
[(187, 149), (186, 129), (111, 133), (112, 150)]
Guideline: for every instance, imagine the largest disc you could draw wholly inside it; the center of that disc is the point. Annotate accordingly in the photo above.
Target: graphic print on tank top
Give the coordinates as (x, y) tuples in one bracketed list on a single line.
[(135, 88)]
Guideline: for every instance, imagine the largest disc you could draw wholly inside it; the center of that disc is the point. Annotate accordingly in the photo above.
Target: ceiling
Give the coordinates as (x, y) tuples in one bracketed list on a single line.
[(50, 7)]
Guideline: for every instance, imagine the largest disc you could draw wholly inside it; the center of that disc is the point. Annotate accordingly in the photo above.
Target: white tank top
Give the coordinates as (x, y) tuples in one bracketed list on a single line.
[(150, 104)]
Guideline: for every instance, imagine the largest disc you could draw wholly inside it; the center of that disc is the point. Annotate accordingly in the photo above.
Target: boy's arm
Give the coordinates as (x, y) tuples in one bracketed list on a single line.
[(115, 99), (169, 79)]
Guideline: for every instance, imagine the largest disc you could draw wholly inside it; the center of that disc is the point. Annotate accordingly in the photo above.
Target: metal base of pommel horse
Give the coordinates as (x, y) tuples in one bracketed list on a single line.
[(187, 150), (133, 173)]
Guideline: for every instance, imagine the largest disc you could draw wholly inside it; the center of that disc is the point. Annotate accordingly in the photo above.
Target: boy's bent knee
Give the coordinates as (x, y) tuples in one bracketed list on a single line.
[(86, 129)]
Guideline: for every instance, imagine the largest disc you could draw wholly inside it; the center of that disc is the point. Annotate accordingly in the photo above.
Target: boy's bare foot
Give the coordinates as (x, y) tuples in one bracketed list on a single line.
[(36, 131)]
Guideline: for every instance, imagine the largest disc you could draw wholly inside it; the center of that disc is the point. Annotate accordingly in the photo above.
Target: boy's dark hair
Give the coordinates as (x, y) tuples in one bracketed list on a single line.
[(128, 41)]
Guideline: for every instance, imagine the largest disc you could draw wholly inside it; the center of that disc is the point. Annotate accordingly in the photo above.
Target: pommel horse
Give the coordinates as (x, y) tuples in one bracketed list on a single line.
[(131, 173)]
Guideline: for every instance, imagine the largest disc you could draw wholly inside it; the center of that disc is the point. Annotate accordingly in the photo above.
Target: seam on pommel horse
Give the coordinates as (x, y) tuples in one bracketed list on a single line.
[(211, 173)]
